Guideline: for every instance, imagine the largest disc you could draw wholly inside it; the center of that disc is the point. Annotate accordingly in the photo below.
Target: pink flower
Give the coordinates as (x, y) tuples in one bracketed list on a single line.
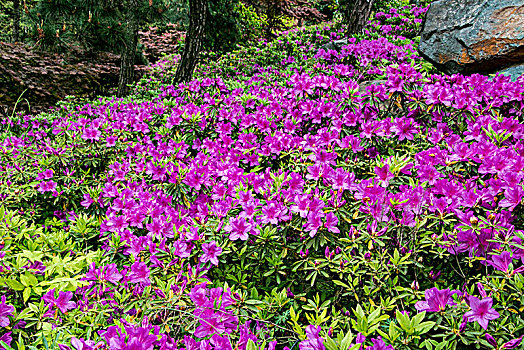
[(6, 338), (47, 186), (481, 311), (63, 302), (512, 344), (501, 262), (46, 175), (5, 312), (111, 141), (87, 201), (239, 229), (139, 273), (383, 174), (313, 341), (436, 300), (513, 197), (404, 128), (211, 253), (91, 133), (331, 222)]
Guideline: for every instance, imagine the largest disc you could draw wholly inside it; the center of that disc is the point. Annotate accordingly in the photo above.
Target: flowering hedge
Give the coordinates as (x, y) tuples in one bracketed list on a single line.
[(290, 197)]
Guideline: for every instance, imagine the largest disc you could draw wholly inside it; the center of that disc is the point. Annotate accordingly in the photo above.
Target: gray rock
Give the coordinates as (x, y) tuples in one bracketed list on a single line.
[(363, 85), (473, 36), (514, 72), (335, 45)]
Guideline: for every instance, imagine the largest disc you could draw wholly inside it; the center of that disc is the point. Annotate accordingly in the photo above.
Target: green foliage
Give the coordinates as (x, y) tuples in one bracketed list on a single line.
[(363, 279), (41, 259), (251, 23), (92, 25), (223, 26)]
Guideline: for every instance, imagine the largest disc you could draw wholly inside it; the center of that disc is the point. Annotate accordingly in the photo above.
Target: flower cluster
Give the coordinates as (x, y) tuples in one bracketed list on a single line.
[(294, 194)]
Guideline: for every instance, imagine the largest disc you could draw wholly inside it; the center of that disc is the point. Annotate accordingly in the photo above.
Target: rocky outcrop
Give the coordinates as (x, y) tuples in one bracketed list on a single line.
[(335, 45), (473, 36), (514, 72)]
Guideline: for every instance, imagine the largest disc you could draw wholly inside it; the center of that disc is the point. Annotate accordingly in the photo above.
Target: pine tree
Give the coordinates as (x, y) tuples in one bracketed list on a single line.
[(93, 25), (194, 39), (356, 13), (127, 60), (16, 20)]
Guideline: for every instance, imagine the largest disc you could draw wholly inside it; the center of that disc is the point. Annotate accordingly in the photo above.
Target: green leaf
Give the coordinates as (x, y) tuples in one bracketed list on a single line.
[(21, 345), (330, 344), (15, 285), (403, 320), (441, 345), (346, 341), (417, 319), (5, 346), (251, 345), (27, 294), (28, 279), (424, 327)]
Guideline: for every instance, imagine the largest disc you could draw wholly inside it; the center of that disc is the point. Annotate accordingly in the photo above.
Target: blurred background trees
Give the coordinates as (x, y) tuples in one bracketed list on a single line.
[(140, 31)]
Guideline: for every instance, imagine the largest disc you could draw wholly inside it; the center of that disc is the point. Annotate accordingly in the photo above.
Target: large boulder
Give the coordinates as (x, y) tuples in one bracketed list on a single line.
[(514, 72), (473, 36)]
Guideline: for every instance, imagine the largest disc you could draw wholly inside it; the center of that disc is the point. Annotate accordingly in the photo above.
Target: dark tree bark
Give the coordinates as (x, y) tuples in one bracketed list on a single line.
[(127, 59), (356, 14), (16, 20), (194, 39)]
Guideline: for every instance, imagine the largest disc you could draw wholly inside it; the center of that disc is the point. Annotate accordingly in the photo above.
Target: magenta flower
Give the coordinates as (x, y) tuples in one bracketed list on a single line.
[(139, 273), (436, 300), (80, 344), (513, 196), (331, 222), (46, 175), (481, 311), (37, 267), (491, 340), (209, 324), (6, 338), (313, 341), (87, 201), (211, 253), (273, 212), (47, 186), (63, 302), (512, 344), (107, 273), (91, 133), (383, 174), (404, 128), (111, 141), (379, 344), (302, 205), (5, 312), (501, 262), (314, 222), (238, 229), (314, 172)]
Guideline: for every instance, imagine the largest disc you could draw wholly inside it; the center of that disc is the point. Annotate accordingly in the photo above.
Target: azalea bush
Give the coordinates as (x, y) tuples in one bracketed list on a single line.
[(291, 196)]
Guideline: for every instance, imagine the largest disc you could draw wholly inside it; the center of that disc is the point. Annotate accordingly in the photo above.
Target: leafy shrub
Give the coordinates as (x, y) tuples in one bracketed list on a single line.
[(158, 42), (292, 195)]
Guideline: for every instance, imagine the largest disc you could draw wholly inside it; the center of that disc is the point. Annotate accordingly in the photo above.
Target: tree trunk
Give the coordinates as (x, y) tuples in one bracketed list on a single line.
[(16, 20), (127, 60), (356, 14), (194, 39)]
